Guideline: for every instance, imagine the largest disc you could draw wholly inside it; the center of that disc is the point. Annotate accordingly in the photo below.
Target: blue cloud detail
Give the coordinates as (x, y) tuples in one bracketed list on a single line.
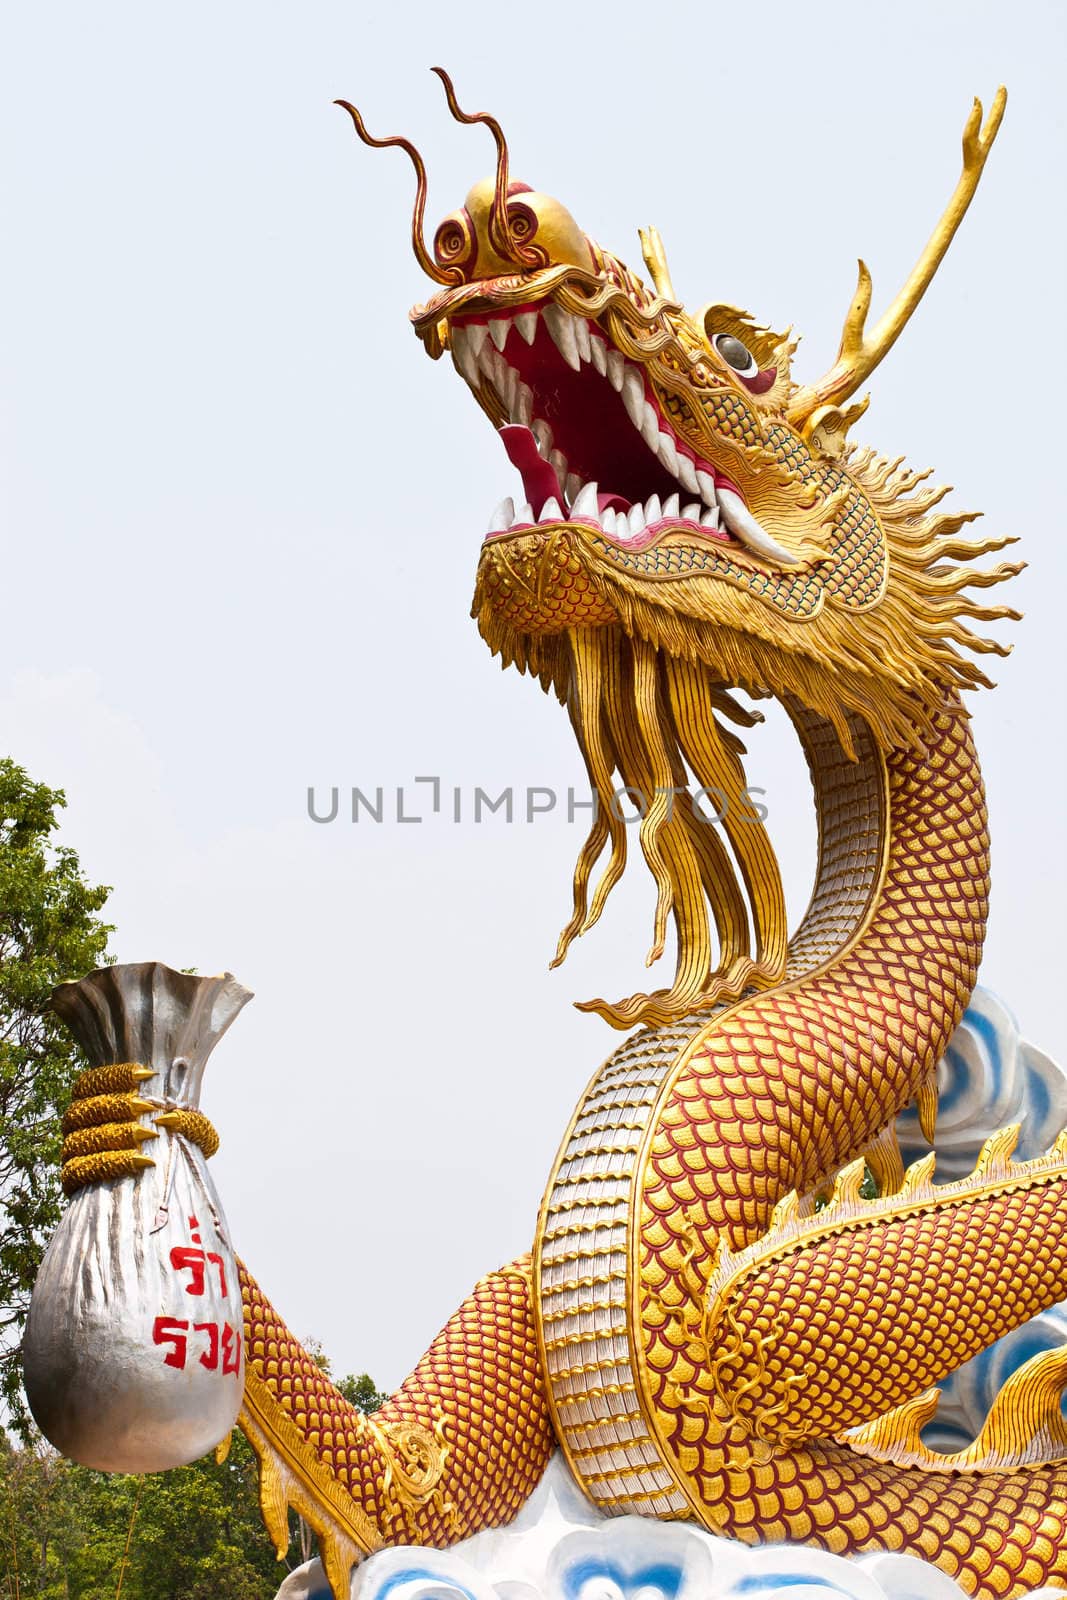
[(758, 1582), (668, 1579), (413, 1575)]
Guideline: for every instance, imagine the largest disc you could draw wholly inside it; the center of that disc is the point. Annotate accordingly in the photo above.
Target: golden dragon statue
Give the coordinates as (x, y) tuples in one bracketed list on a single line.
[(723, 1318)]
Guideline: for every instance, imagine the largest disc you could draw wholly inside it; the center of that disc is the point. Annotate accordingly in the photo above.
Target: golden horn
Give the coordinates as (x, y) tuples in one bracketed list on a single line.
[(860, 352), (656, 261)]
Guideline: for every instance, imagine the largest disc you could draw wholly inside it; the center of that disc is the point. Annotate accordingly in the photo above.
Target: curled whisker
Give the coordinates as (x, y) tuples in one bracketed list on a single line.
[(443, 275), (501, 233)]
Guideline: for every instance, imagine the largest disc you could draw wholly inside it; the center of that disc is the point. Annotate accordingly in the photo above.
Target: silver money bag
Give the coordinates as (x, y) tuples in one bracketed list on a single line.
[(133, 1352)]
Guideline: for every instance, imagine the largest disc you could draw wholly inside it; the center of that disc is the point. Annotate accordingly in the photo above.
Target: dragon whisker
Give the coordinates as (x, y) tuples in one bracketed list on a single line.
[(443, 275)]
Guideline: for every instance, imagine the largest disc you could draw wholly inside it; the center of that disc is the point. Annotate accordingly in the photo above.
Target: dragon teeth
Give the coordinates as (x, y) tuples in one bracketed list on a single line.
[(575, 339), (744, 527), (543, 434), (584, 503), (571, 335), (707, 487), (496, 369), (476, 350), (526, 322), (522, 409), (503, 516), (465, 358), (582, 499), (633, 397), (561, 325), (687, 474)]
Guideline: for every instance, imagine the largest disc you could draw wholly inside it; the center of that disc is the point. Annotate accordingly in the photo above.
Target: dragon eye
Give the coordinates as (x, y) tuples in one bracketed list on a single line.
[(736, 354)]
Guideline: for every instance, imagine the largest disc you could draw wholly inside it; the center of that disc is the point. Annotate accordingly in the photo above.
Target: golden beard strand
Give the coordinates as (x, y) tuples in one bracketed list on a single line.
[(644, 721), (641, 666)]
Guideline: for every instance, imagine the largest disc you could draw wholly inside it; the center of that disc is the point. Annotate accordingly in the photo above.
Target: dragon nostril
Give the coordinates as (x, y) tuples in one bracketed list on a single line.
[(455, 243)]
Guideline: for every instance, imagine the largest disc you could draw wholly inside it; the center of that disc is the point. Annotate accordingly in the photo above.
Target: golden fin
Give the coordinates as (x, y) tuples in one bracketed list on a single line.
[(1025, 1426), (796, 1219), (291, 1474), (274, 1503), (896, 1435), (848, 1183), (926, 1099), (994, 1159), (812, 1203), (883, 1157), (795, 1222), (787, 1211), (919, 1177)]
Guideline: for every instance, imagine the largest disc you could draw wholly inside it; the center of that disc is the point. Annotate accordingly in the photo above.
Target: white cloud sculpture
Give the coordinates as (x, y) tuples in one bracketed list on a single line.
[(561, 1547)]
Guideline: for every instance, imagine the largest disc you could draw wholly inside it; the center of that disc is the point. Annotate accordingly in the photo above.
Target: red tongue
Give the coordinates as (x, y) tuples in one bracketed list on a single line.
[(540, 480)]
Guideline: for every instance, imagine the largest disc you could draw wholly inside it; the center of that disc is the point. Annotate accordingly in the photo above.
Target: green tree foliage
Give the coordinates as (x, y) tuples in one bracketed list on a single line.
[(67, 1533), (362, 1393), (194, 1534), (50, 930)]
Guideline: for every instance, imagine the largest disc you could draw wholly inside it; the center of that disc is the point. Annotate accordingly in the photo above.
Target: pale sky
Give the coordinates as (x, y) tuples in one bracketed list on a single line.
[(242, 513)]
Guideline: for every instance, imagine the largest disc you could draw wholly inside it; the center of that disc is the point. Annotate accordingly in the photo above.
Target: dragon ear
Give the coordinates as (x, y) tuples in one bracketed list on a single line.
[(828, 428)]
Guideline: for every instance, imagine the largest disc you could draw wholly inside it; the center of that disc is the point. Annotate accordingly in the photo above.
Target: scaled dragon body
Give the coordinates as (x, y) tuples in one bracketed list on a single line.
[(701, 1339)]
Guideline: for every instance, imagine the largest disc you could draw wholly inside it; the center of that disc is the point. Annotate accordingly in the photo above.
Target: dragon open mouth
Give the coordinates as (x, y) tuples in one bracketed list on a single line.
[(573, 404)]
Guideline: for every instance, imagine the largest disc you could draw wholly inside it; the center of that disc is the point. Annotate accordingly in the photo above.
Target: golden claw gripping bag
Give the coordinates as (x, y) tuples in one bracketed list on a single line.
[(133, 1351)]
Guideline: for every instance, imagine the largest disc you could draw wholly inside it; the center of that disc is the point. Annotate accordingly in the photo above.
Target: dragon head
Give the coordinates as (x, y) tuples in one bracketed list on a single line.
[(692, 520)]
